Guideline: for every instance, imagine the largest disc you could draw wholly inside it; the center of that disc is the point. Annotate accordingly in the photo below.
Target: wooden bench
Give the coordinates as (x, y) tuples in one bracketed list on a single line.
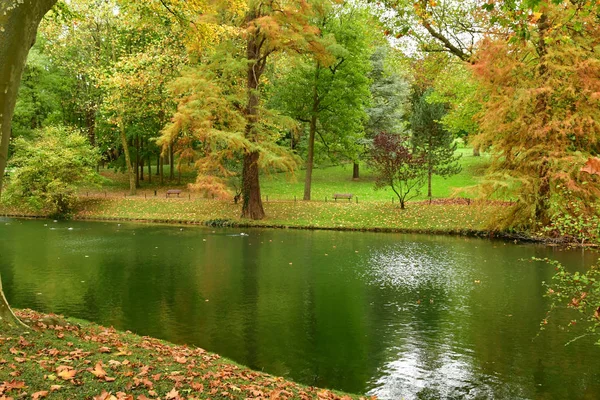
[(342, 196), (173, 191)]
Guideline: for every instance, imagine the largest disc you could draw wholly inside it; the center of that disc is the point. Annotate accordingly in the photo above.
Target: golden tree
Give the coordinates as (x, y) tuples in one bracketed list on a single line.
[(219, 101)]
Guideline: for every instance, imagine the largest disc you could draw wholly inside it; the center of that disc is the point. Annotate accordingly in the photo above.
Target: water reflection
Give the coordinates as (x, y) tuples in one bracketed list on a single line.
[(401, 316)]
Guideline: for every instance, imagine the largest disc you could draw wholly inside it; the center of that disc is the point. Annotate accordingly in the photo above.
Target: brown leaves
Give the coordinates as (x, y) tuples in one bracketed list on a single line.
[(99, 372), (172, 395), (156, 370), (592, 166), (39, 395), (65, 372)]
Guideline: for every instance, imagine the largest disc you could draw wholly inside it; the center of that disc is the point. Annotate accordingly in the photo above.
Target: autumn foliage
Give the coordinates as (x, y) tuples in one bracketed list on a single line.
[(541, 112), (398, 166)]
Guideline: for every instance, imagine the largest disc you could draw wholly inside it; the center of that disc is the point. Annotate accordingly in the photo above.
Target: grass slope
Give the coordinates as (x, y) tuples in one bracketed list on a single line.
[(84, 361)]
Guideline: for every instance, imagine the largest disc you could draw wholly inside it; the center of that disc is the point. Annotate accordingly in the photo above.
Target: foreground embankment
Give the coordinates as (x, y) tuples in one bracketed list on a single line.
[(74, 359)]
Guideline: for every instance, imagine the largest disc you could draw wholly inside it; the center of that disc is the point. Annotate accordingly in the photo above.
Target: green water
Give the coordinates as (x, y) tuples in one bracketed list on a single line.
[(400, 316)]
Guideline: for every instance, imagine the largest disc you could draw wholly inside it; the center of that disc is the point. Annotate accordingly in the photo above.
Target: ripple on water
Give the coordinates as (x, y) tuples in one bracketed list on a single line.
[(413, 266), (422, 373)]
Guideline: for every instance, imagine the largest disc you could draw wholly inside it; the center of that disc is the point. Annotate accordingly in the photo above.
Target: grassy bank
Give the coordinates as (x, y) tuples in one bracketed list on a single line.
[(83, 361), (368, 210), (437, 217)]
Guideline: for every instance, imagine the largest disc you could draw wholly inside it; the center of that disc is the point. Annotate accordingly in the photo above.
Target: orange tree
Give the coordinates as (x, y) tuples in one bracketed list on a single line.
[(540, 92)]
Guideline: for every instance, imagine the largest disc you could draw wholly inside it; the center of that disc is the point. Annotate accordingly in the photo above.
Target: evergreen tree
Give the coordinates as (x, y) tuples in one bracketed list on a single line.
[(389, 94), (432, 139)]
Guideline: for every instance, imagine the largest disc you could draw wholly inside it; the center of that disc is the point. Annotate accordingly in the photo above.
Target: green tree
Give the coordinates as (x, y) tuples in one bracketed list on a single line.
[(457, 88), (48, 168), (19, 21), (316, 91), (390, 93), (431, 138), (39, 100)]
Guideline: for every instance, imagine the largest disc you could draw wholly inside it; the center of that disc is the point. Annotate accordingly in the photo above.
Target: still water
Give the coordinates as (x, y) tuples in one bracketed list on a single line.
[(398, 316)]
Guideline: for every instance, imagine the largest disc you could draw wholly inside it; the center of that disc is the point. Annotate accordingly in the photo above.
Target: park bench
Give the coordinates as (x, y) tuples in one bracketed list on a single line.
[(173, 191), (342, 196)]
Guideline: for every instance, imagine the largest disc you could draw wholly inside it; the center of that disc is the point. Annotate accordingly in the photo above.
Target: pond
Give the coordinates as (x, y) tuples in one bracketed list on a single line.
[(398, 316)]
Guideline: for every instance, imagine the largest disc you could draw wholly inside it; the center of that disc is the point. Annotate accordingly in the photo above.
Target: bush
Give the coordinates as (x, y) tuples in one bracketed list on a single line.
[(47, 169)]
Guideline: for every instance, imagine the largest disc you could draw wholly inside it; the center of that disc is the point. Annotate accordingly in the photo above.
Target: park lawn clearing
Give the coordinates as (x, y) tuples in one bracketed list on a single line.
[(81, 360), (327, 180)]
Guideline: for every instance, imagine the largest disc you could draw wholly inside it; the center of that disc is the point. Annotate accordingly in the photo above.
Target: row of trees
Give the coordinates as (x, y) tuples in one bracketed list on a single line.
[(233, 88), (244, 86)]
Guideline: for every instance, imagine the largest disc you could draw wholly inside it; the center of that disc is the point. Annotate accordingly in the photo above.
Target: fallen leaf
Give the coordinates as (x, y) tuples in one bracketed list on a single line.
[(39, 395), (98, 371), (172, 395), (65, 372)]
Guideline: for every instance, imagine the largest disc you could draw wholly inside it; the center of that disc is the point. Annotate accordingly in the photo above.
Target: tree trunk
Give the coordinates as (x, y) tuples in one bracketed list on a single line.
[(158, 164), (131, 172), (311, 137), (429, 174), (355, 171), (171, 163), (141, 157), (18, 30), (252, 206), (162, 170), (252, 203), (149, 168), (136, 143), (91, 126), (310, 157)]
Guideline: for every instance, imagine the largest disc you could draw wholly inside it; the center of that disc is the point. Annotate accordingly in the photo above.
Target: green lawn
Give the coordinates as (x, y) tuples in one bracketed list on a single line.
[(326, 182), (338, 179)]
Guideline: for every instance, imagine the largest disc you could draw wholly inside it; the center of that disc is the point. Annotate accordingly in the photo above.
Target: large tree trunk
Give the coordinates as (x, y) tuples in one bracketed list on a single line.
[(252, 206), (18, 29), (355, 171)]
